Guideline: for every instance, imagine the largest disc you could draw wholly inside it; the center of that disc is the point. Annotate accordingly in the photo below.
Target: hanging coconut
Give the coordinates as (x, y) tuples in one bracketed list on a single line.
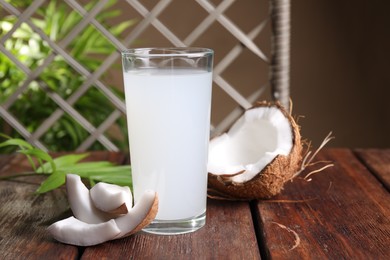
[(259, 153)]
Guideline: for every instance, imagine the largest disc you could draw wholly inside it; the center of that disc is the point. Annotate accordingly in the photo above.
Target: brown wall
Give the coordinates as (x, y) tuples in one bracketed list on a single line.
[(341, 70)]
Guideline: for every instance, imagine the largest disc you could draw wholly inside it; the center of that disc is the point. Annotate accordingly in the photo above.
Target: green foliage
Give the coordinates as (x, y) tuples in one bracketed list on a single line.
[(56, 169), (33, 106)]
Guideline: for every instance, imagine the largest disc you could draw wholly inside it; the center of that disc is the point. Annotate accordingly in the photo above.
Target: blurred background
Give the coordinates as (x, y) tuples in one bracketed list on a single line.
[(340, 70), (72, 98)]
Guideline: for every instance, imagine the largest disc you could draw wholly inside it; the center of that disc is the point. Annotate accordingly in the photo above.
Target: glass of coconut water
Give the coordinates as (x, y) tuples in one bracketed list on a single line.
[(168, 100)]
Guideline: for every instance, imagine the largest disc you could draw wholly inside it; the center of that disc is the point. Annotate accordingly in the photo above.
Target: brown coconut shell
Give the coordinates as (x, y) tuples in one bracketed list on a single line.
[(270, 180), (150, 216)]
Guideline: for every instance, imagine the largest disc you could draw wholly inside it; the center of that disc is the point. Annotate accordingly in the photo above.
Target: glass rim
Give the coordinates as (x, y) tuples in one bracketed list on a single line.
[(167, 52)]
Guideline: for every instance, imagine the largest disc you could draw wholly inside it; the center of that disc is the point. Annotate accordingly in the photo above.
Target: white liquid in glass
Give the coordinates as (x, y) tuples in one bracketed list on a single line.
[(169, 124)]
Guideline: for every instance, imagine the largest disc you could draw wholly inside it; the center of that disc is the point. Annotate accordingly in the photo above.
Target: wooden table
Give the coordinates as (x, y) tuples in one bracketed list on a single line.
[(343, 213)]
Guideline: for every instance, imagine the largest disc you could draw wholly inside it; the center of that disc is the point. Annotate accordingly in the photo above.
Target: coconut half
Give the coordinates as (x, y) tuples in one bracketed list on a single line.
[(259, 153)]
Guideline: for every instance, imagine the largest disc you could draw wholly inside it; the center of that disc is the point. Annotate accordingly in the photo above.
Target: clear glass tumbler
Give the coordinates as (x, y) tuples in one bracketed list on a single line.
[(168, 102)]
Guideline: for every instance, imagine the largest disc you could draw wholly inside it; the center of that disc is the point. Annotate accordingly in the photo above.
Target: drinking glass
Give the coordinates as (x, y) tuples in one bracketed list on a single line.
[(168, 102)]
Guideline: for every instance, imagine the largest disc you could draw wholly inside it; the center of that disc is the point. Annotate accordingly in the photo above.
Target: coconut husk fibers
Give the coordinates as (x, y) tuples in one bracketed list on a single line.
[(270, 180)]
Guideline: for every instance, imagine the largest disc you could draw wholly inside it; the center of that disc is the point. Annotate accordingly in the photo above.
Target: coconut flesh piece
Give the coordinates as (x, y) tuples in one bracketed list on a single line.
[(252, 143), (79, 232), (111, 198), (76, 232), (143, 212), (81, 203)]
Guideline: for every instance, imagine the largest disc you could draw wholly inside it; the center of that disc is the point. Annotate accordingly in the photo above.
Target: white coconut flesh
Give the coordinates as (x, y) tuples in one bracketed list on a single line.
[(75, 232), (108, 197), (90, 226), (81, 203), (252, 143), (137, 214)]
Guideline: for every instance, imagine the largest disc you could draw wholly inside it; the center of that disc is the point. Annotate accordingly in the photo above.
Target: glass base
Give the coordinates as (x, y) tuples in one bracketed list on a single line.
[(175, 227)]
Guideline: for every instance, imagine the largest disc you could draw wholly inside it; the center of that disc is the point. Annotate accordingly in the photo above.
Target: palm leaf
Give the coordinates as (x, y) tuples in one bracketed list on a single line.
[(55, 180), (40, 155), (61, 162)]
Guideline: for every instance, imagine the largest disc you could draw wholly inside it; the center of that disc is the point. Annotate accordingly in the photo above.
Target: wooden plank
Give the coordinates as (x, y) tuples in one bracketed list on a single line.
[(4, 159), (24, 216), (345, 214), (228, 234), (378, 161)]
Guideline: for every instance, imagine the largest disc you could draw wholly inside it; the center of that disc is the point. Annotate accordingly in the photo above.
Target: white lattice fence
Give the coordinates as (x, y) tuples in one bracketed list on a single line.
[(242, 42)]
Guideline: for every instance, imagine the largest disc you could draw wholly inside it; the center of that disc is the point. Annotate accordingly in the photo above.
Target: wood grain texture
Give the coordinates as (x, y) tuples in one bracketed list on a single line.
[(228, 234), (378, 161), (345, 215), (3, 160), (25, 216), (342, 213)]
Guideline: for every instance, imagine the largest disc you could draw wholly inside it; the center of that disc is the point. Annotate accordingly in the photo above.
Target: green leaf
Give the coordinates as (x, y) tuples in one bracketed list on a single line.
[(41, 155), (1, 134), (65, 160), (98, 171), (54, 30), (120, 178), (70, 129), (17, 142), (49, 14), (118, 29), (52, 182), (86, 166), (108, 14), (94, 171), (62, 162), (102, 171), (87, 171), (21, 143), (71, 19)]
